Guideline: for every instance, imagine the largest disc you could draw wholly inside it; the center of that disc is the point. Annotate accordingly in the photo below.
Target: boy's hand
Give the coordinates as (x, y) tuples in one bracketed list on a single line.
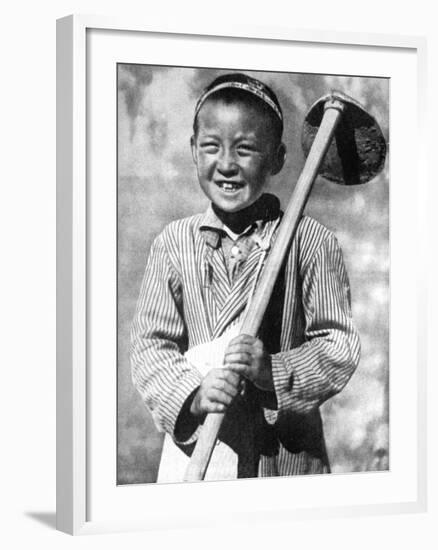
[(216, 392), (247, 356)]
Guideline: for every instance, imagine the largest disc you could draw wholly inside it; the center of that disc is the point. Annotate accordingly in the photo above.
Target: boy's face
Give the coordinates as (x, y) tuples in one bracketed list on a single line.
[(235, 153)]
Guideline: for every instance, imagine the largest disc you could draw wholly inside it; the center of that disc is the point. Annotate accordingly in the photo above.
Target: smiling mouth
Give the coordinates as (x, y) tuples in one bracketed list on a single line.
[(229, 186)]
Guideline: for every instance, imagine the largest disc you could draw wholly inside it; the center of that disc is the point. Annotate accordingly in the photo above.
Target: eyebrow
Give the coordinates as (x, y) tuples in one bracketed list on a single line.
[(250, 135), (240, 137)]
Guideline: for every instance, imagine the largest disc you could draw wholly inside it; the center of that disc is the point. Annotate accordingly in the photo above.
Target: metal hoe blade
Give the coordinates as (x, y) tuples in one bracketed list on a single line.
[(358, 149)]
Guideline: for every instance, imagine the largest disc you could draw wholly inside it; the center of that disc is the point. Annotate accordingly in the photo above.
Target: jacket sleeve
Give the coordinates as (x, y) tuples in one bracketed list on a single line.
[(306, 376), (161, 374)]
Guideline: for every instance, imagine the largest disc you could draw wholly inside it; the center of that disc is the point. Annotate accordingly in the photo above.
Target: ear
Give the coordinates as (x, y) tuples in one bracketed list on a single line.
[(279, 158), (193, 148)]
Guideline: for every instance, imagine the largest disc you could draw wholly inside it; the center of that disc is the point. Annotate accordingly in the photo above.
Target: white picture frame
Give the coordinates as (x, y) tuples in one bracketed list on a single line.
[(74, 219)]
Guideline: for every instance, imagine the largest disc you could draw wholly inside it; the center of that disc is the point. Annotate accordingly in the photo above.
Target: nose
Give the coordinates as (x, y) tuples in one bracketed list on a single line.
[(227, 164)]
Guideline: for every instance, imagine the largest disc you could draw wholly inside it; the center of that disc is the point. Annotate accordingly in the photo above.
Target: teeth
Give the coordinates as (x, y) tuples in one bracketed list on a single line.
[(229, 186)]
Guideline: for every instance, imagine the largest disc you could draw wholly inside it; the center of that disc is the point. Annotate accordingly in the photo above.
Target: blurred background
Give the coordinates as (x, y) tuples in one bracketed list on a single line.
[(157, 183)]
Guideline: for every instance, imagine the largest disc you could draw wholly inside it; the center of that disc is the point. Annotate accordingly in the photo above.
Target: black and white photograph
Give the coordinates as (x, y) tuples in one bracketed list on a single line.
[(253, 264), (219, 266)]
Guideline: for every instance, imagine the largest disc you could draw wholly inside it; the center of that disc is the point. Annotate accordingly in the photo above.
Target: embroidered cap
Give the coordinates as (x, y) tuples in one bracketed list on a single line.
[(240, 81)]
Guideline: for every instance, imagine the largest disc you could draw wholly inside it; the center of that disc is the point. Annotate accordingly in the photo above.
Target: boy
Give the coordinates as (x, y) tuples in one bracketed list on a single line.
[(200, 276)]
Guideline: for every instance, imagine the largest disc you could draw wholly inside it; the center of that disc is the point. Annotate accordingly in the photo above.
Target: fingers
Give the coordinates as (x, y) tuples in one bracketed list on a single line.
[(218, 396), (241, 370), (243, 339), (245, 344), (239, 351), (244, 357), (226, 382), (202, 405), (208, 407), (216, 392)]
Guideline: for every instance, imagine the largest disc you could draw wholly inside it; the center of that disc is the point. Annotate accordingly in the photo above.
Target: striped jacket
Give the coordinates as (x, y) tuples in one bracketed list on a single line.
[(186, 299)]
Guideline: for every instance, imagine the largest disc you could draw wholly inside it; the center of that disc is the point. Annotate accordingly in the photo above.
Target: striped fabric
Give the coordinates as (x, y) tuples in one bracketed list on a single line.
[(187, 299)]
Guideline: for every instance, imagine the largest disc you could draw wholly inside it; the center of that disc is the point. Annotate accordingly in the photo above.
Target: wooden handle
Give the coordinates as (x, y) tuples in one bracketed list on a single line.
[(201, 455), (254, 315)]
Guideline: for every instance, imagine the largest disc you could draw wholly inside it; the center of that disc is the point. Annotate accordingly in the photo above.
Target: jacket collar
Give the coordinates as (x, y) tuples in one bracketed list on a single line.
[(212, 228)]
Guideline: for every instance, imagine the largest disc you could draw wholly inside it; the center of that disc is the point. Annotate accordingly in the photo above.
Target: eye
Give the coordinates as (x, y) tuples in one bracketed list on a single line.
[(244, 149), (209, 146)]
